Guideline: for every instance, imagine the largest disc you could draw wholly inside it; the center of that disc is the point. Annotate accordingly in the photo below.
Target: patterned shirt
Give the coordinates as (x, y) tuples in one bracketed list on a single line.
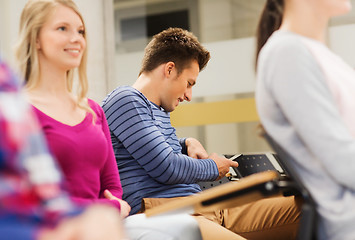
[(148, 152), (31, 196)]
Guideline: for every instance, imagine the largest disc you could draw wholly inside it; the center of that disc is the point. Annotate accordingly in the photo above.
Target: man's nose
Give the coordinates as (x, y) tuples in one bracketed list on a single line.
[(188, 94)]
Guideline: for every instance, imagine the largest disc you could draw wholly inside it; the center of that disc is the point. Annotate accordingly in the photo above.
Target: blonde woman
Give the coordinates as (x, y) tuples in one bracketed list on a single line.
[(51, 47)]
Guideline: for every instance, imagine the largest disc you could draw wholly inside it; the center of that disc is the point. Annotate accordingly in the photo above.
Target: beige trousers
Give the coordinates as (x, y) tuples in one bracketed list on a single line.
[(271, 218)]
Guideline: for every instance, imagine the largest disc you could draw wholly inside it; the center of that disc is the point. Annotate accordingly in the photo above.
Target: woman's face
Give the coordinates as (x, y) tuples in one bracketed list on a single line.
[(61, 42), (332, 8)]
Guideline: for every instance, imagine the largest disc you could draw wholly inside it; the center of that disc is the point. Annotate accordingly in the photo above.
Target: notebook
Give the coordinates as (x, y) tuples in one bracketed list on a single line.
[(251, 163)]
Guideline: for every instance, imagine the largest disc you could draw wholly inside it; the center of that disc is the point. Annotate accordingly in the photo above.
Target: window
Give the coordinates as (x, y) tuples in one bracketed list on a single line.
[(137, 21)]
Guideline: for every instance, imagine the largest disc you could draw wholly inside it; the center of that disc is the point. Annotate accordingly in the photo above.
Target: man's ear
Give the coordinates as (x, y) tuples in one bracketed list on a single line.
[(169, 66)]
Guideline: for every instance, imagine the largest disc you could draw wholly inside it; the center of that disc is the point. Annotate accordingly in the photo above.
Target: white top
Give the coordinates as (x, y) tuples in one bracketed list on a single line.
[(306, 100)]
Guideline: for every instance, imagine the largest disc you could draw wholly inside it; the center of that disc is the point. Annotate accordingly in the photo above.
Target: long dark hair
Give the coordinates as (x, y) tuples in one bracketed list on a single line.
[(270, 20)]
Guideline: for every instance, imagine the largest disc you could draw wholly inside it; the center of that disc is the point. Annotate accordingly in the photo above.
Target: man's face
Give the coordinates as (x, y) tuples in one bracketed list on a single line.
[(179, 86)]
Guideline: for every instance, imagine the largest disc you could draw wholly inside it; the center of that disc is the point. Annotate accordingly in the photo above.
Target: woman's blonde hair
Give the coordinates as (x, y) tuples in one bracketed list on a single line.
[(33, 17)]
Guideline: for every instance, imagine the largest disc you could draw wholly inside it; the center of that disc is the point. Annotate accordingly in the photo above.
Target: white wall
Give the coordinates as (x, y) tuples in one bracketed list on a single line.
[(342, 42), (98, 16), (10, 12)]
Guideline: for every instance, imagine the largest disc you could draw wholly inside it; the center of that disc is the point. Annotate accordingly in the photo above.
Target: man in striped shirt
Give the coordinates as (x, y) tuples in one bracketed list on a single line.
[(155, 165)]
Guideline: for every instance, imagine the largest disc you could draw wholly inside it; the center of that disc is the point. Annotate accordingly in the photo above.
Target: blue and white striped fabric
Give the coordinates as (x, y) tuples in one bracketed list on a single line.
[(148, 152)]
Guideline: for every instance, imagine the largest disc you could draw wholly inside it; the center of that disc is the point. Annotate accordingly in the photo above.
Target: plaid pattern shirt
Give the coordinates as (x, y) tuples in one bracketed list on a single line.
[(31, 195)]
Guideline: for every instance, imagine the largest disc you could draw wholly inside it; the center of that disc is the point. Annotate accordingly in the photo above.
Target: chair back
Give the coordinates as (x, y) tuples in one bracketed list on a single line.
[(308, 221)]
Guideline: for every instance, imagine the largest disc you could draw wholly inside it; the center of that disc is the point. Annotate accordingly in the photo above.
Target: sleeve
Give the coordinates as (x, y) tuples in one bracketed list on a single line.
[(11, 221), (109, 177), (31, 193), (130, 120), (86, 201), (296, 81), (182, 142), (18, 231)]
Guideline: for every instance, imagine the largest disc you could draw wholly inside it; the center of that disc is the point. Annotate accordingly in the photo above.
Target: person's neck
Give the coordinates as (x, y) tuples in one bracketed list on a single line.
[(304, 21), (149, 85), (52, 84)]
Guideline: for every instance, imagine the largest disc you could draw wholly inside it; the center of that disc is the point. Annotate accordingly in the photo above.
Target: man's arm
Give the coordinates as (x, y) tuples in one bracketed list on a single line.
[(130, 120), (194, 148)]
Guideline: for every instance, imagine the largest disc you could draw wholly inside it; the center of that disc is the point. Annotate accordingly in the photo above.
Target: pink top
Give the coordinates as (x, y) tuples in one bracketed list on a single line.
[(85, 154)]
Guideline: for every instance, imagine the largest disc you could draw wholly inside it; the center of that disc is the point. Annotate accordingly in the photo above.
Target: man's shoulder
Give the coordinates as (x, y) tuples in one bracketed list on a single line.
[(122, 91), (125, 98), (122, 95)]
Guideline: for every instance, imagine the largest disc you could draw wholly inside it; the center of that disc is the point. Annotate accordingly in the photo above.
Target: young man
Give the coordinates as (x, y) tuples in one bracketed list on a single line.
[(155, 165)]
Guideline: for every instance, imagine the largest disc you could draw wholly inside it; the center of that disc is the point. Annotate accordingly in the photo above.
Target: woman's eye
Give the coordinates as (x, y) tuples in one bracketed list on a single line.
[(62, 28), (82, 32)]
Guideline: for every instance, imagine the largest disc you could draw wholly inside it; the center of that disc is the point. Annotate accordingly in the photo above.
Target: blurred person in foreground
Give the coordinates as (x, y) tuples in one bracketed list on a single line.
[(32, 202)]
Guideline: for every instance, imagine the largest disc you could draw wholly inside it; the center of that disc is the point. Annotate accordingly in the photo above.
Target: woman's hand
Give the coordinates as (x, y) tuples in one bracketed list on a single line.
[(125, 208)]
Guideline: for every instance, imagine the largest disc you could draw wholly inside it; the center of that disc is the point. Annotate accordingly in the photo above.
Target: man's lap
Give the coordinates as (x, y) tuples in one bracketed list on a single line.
[(270, 218)]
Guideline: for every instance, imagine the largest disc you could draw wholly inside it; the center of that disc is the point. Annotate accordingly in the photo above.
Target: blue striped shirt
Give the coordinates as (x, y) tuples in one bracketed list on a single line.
[(148, 152)]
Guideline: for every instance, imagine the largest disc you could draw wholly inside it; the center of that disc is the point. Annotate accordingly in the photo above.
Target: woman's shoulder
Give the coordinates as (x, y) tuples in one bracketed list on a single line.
[(283, 48), (95, 106), (92, 103), (284, 42)]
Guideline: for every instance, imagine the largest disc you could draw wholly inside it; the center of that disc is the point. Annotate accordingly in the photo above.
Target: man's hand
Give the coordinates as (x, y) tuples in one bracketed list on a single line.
[(223, 164), (195, 149), (125, 208)]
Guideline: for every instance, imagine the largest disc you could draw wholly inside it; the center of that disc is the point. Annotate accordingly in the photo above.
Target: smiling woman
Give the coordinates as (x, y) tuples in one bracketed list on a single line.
[(61, 40), (52, 45)]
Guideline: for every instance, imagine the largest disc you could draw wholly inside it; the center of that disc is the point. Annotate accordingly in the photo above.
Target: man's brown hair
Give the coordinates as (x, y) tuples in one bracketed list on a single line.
[(174, 45)]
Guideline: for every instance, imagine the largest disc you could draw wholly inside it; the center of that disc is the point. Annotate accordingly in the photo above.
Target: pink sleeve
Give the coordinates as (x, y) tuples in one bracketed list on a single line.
[(110, 178), (85, 201)]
